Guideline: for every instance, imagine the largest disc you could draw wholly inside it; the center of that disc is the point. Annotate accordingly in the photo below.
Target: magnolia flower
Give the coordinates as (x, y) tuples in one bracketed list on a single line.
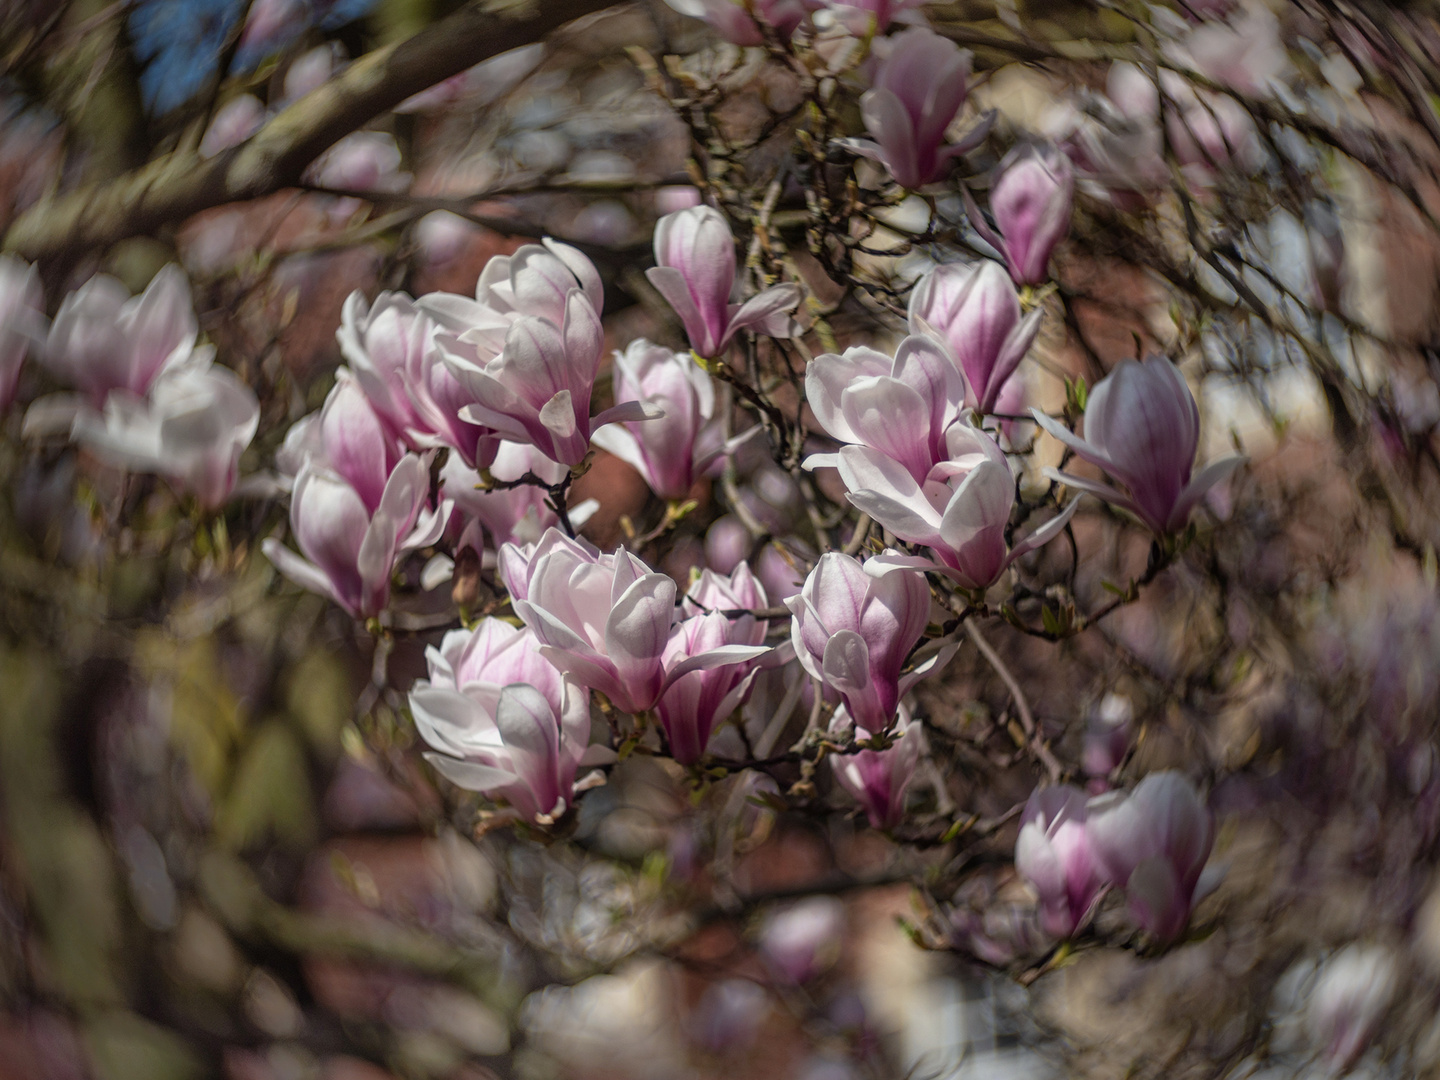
[(22, 321), (354, 443), (900, 408), (1053, 854), (605, 620), (853, 631), (236, 121), (959, 512), (350, 549), (191, 429), (527, 350), (695, 253), (104, 339), (361, 161), (868, 17), (737, 20), (1349, 999), (728, 543), (804, 939), (919, 87), (513, 742), (673, 452), (517, 515), (1142, 427), (878, 779), (1031, 199), (974, 309), (1107, 737), (694, 703), (379, 342), (482, 661), (1206, 131), (1154, 843)]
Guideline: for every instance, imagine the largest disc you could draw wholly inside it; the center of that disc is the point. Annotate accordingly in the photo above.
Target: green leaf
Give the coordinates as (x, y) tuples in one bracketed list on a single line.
[(270, 796)]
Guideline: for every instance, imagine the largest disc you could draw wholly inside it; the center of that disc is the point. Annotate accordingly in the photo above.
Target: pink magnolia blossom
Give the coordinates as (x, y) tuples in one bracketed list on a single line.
[(738, 21), (1031, 198), (361, 161), (488, 658), (349, 550), (514, 744), (901, 408), (236, 121), (517, 515), (879, 779), (728, 543), (803, 940), (104, 339), (1206, 131), (673, 452), (694, 703), (191, 429), (974, 309), (1142, 427), (695, 273), (959, 512), (1053, 853), (354, 443), (1349, 999), (918, 89), (22, 321), (527, 350), (1154, 843), (605, 620), (853, 631), (867, 17)]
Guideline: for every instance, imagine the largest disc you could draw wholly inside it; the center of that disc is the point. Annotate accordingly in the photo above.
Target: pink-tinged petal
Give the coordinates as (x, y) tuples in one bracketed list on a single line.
[(628, 412), (846, 662), (892, 418), (981, 226), (470, 775), (670, 284), (1011, 353), (1047, 532), (1084, 449), (767, 313), (887, 119), (305, 574), (1200, 484), (885, 490)]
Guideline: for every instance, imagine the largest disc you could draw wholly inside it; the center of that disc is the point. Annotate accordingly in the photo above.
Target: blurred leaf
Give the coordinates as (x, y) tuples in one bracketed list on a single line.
[(205, 716), (320, 696), (271, 793), (124, 1046)]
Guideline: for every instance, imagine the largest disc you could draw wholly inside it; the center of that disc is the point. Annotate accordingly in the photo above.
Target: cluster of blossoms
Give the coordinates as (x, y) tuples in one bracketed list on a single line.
[(1153, 843), (503, 385)]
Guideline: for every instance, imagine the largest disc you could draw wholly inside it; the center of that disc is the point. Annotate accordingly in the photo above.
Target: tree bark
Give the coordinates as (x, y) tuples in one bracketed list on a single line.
[(171, 188)]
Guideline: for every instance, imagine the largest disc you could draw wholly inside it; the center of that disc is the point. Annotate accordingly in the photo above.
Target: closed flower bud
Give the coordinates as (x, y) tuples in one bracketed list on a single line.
[(1031, 199)]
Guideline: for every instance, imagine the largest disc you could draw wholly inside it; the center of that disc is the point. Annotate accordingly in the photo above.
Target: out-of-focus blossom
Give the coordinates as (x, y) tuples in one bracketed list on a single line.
[(485, 82), (441, 236), (900, 408), (104, 339), (1010, 404), (310, 70), (517, 515), (361, 161), (1031, 198), (866, 17), (355, 443), (959, 512), (974, 309), (879, 779), (191, 429), (351, 551), (727, 544), (269, 25), (1349, 999), (671, 453), (237, 120), (695, 273), (676, 197), (919, 86), (1053, 853), (737, 21), (694, 703), (803, 940), (1107, 736), (1206, 131), (527, 350), (781, 568), (1142, 427), (1244, 54), (515, 745), (605, 620), (853, 632), (728, 1015), (1154, 843), (22, 321)]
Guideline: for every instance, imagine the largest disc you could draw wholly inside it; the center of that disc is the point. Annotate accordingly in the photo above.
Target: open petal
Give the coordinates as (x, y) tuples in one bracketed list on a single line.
[(470, 775), (1200, 484), (846, 663), (1046, 532)]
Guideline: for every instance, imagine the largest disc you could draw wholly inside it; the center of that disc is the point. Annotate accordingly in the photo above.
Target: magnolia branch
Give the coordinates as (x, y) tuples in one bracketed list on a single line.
[(181, 183)]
